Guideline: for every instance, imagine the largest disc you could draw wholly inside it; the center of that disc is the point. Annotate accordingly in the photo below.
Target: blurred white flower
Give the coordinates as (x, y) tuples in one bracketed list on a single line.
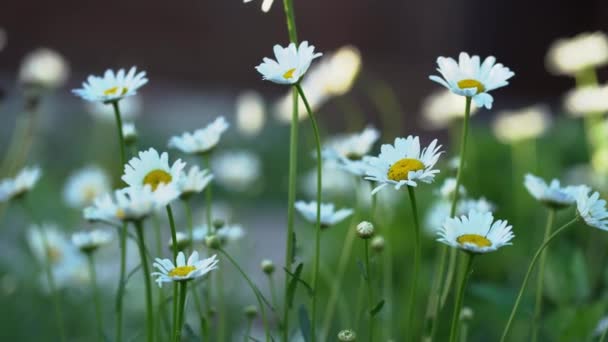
[(552, 195), (44, 67), (23, 182), (442, 107), (587, 101), (150, 168), (336, 182), (183, 270), (403, 163), (355, 145), (329, 215), (237, 170), (591, 208), (476, 232), (202, 140), (266, 4), (194, 181), (290, 65), (468, 77), (112, 86), (448, 188), (523, 124), (85, 185), (129, 132), (89, 241), (130, 109), (569, 56), (250, 113), (440, 211)]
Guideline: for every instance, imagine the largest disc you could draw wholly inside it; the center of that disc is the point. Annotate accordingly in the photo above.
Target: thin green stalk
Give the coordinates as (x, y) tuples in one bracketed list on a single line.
[(219, 277), (189, 221), (197, 302), (539, 279), (530, 268), (53, 288), (256, 292), (123, 232), (183, 291), (248, 330), (162, 313), (139, 227), (460, 297), (315, 281), (293, 170), (96, 299), (174, 249), (370, 291), (411, 303)]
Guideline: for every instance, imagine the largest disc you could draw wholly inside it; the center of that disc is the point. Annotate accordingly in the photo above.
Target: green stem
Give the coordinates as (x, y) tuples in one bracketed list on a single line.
[(174, 249), (315, 281), (96, 298), (460, 297), (139, 226), (530, 268), (53, 288), (293, 170), (189, 221), (370, 292), (248, 330), (539, 279), (256, 292), (123, 232), (183, 291), (197, 302), (411, 303)]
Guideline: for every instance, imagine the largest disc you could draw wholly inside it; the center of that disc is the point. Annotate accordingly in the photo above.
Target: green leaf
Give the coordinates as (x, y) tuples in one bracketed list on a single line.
[(304, 322), (373, 312), (295, 278)]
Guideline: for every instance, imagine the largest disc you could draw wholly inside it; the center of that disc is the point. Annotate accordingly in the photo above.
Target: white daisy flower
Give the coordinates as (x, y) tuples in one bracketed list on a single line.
[(129, 132), (183, 270), (552, 195), (591, 208), (442, 108), (85, 185), (202, 140), (448, 188), (569, 56), (112, 86), (183, 241), (403, 163), (44, 67), (468, 77), (591, 100), (89, 241), (440, 211), (227, 233), (130, 109), (266, 4), (152, 169), (354, 146), (195, 181), (290, 65), (329, 215), (130, 204), (23, 182), (250, 113), (237, 170), (476, 232), (518, 125)]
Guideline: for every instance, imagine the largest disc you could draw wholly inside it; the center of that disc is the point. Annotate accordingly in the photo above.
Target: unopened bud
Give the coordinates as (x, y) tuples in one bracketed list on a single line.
[(267, 266), (365, 230), (219, 223), (213, 242), (466, 314), (378, 243), (347, 335), (251, 311)]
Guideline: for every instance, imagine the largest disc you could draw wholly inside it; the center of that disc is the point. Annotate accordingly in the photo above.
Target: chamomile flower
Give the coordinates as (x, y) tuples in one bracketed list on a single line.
[(403, 163), (237, 170), (518, 125), (552, 195), (471, 78), (476, 232), (202, 140), (442, 108), (194, 181), (585, 101), (440, 211), (183, 270), (448, 188), (89, 241), (112, 86), (45, 68), (569, 56), (266, 4), (150, 168), (250, 113), (85, 185), (23, 182), (130, 204), (227, 233), (290, 65), (329, 215), (591, 208), (356, 145)]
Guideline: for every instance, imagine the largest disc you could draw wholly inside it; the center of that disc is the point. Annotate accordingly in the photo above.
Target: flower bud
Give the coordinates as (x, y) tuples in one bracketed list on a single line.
[(218, 223), (365, 230), (377, 244), (267, 266), (213, 242), (466, 314), (251, 311), (347, 335)]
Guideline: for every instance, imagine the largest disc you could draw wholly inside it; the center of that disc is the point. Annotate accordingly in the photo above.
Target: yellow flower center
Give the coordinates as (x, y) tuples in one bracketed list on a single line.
[(120, 214), (181, 271), (115, 91), (156, 177), (477, 240), (469, 83), (54, 254), (89, 194), (289, 73), (402, 168)]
